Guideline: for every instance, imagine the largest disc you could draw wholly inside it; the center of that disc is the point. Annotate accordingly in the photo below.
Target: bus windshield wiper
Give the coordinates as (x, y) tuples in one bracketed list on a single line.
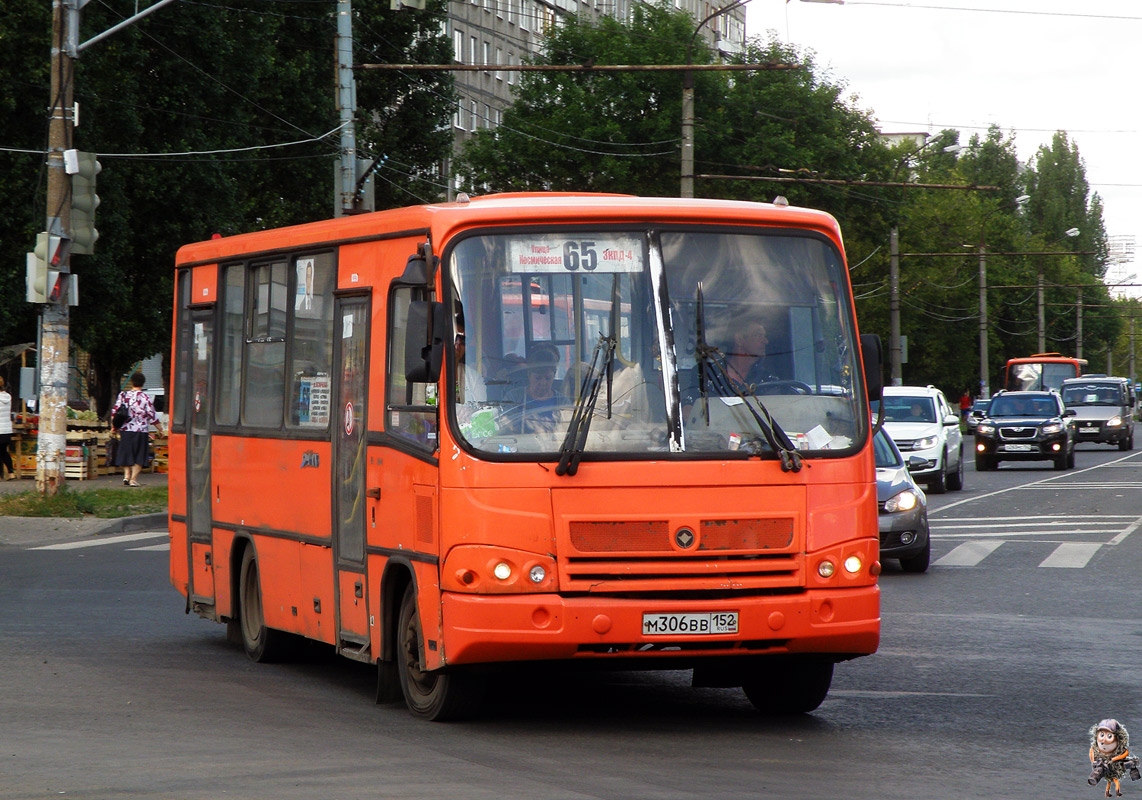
[(575, 441), (712, 373)]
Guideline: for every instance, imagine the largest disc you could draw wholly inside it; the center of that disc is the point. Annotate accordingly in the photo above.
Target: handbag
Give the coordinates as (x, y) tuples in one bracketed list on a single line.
[(122, 416)]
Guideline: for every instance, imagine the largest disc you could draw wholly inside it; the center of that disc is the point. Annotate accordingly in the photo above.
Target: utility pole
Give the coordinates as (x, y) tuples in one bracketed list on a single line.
[(346, 108), (894, 350), (55, 317), (1079, 327)]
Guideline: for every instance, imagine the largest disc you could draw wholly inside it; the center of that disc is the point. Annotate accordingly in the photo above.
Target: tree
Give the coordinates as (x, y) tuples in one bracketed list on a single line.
[(597, 131), (188, 109)]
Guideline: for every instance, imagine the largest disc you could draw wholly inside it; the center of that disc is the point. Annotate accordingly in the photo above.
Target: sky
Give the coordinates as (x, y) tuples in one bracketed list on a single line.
[(1032, 67)]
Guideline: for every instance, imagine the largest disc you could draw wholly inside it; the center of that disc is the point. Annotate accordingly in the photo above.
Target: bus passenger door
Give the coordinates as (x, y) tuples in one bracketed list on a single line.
[(198, 500), (350, 435)]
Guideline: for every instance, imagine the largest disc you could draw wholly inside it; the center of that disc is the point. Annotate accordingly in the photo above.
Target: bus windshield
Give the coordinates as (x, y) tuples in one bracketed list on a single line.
[(1030, 376), (671, 341)]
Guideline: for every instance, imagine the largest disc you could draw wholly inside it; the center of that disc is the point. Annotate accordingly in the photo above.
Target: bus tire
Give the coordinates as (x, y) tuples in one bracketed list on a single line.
[(262, 644), (789, 687), (432, 695)]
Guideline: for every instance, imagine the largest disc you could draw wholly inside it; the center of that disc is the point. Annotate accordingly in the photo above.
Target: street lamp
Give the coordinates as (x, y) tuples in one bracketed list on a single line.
[(984, 383), (1070, 233), (686, 188)]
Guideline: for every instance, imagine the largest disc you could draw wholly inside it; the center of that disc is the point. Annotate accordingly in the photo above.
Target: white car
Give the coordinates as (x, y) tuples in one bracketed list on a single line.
[(922, 423)]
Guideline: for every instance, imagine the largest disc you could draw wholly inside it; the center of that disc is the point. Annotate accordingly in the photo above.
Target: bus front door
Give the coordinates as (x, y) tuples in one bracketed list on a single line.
[(350, 435), (198, 505)]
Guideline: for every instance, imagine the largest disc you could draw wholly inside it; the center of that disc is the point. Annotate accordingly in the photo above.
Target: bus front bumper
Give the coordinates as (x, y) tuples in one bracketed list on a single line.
[(491, 628)]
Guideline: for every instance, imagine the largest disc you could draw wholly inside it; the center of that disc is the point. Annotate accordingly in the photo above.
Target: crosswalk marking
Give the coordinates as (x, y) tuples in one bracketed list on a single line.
[(102, 540), (1073, 555), (968, 554)]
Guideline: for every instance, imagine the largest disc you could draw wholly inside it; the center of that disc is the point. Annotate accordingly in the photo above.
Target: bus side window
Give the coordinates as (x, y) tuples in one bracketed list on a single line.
[(410, 406)]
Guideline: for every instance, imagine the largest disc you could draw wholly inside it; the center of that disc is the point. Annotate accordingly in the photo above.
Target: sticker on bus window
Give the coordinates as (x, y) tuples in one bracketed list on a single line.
[(347, 326), (590, 252)]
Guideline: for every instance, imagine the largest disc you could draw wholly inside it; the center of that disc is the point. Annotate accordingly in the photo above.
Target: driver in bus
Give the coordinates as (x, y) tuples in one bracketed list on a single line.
[(538, 406), (745, 360)]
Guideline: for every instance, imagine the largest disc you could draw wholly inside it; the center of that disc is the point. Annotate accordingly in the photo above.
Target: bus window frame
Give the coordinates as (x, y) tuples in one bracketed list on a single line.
[(646, 230)]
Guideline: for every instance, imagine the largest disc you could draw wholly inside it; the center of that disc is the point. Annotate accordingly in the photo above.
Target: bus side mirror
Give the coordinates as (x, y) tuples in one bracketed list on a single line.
[(872, 359), (424, 341)]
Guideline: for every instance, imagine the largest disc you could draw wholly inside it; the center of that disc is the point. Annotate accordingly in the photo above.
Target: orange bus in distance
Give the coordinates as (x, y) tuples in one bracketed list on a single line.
[(531, 428), (1041, 371)]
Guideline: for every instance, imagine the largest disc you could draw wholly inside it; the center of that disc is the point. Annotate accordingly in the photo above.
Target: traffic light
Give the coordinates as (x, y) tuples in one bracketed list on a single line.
[(41, 280), (83, 167)]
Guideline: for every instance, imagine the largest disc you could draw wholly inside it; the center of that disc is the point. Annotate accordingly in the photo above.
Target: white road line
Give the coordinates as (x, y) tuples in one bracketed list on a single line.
[(1050, 535), (1120, 538), (102, 540), (968, 554), (1071, 555), (956, 524), (155, 547), (1070, 474), (1032, 516)]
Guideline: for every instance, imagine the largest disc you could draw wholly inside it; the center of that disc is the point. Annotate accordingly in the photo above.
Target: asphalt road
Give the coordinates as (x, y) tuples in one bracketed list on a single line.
[(992, 667)]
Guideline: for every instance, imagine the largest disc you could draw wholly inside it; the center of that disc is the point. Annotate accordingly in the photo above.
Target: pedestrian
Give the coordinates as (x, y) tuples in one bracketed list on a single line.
[(965, 405), (7, 469), (134, 439)]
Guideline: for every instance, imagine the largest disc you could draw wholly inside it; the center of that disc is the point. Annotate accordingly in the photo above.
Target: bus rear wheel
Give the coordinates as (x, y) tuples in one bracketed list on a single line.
[(789, 686), (262, 644), (436, 696)]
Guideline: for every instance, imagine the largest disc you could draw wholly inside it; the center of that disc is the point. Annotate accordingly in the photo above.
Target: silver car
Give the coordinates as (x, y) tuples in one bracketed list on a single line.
[(902, 507)]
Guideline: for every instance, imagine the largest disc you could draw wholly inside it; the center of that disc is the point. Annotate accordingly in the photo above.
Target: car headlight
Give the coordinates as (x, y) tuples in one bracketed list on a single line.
[(904, 501), (1114, 422), (926, 443), (1052, 427), (985, 429)]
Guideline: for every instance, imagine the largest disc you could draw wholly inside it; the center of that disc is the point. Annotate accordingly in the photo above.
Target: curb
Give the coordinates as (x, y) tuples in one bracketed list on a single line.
[(139, 522)]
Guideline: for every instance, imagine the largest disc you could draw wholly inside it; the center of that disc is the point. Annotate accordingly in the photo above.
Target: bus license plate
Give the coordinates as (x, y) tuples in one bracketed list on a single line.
[(692, 624), (1018, 448)]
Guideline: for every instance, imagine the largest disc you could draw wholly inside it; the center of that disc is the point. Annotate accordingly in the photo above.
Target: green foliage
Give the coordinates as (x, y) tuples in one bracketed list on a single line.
[(159, 102)]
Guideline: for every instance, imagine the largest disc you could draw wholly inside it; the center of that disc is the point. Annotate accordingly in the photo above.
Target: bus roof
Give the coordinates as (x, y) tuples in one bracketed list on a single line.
[(443, 220)]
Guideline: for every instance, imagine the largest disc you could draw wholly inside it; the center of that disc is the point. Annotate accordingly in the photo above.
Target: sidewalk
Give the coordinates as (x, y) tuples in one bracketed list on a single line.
[(32, 530)]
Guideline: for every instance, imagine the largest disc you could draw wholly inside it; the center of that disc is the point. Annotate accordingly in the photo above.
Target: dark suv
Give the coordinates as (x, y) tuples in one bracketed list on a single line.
[(1025, 426)]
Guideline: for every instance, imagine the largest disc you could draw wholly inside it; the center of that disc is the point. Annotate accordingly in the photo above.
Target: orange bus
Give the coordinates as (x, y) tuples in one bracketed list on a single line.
[(1041, 371), (507, 429)]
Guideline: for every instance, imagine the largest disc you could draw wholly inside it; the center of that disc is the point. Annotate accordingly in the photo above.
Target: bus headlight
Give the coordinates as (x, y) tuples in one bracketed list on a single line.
[(485, 569), (853, 564), (826, 569)]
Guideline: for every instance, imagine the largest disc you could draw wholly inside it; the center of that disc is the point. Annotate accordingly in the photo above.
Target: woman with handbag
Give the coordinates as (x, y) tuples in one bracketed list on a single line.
[(131, 452)]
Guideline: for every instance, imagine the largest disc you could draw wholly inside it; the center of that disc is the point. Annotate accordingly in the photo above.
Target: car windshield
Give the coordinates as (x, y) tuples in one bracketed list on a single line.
[(1023, 407), (909, 409), (1092, 394), (887, 455), (666, 341)]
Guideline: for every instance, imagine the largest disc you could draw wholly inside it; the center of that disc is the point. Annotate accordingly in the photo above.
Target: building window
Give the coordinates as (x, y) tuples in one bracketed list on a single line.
[(499, 61), (458, 46)]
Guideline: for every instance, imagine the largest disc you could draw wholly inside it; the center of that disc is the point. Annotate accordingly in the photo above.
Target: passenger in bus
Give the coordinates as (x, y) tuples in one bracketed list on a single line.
[(470, 385)]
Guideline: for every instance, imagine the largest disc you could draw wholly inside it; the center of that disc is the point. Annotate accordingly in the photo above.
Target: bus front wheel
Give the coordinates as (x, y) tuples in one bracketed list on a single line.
[(431, 695), (789, 686), (262, 644)]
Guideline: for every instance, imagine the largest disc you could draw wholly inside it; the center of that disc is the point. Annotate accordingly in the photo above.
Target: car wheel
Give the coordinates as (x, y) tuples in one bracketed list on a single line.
[(984, 462), (1061, 460), (1071, 458), (918, 562), (956, 479), (1127, 443), (939, 482)]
